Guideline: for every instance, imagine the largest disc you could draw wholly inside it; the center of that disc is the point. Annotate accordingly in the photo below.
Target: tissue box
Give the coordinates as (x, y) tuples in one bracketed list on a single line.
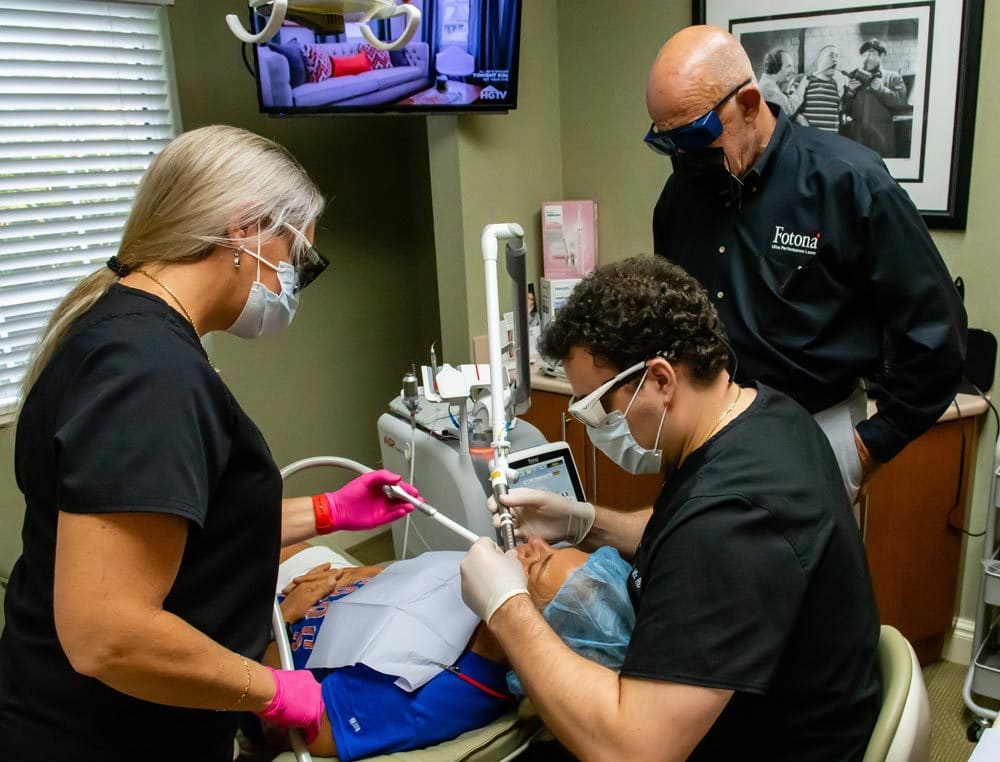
[(554, 293), (569, 239)]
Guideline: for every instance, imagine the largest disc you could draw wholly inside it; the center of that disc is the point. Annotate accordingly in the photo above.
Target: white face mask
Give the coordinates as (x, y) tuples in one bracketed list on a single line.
[(265, 312), (614, 438)]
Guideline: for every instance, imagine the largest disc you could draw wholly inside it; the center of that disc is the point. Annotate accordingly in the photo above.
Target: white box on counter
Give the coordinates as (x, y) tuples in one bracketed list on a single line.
[(554, 293)]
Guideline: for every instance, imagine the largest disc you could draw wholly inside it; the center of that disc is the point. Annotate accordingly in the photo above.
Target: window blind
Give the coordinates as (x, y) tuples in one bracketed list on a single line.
[(85, 103)]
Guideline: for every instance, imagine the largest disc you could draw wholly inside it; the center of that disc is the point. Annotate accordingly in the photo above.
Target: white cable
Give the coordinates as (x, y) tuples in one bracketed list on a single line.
[(413, 461), (421, 538)]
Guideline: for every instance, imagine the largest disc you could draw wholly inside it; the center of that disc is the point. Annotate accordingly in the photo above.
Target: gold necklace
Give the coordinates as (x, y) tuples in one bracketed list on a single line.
[(727, 411), (162, 285)]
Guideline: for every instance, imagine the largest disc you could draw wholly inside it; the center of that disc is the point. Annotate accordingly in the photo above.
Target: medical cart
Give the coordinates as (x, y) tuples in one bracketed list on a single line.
[(983, 677)]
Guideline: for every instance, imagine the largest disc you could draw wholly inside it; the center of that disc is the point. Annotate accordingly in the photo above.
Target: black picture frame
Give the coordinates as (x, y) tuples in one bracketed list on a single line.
[(951, 213)]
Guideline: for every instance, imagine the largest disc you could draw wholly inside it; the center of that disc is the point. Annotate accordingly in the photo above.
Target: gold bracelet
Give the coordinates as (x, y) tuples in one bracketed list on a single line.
[(246, 690)]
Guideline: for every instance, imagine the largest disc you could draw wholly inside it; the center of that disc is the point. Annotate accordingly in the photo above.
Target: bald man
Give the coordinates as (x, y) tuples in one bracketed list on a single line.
[(819, 264)]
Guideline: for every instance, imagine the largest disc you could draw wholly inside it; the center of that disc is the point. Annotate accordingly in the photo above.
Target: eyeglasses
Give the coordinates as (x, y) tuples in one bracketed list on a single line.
[(693, 136), (310, 264), (592, 410)]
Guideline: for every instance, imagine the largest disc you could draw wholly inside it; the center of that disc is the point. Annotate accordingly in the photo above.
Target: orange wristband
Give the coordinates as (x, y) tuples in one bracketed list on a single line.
[(324, 518)]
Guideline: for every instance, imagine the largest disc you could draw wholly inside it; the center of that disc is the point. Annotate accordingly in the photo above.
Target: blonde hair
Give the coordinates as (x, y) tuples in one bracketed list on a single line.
[(203, 183)]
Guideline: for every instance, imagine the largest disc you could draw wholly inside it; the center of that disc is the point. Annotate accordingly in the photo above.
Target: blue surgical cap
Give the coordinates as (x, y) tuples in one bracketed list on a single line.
[(592, 612)]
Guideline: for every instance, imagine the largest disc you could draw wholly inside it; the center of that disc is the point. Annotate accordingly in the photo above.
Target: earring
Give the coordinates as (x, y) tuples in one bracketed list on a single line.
[(236, 257)]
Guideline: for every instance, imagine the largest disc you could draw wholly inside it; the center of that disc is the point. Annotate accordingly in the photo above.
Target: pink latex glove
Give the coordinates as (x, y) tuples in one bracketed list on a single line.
[(297, 702), (363, 504)]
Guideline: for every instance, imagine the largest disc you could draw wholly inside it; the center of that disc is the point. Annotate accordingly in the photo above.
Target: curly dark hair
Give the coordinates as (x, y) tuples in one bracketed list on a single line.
[(772, 60), (630, 311)]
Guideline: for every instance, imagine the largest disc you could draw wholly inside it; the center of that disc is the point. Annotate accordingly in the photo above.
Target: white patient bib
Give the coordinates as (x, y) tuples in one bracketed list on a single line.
[(402, 622)]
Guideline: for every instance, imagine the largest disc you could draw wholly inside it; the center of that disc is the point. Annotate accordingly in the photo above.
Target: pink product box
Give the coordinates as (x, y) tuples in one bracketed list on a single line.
[(569, 238)]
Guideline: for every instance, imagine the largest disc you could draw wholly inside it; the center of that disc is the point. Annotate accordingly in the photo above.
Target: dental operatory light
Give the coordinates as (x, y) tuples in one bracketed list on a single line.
[(328, 17)]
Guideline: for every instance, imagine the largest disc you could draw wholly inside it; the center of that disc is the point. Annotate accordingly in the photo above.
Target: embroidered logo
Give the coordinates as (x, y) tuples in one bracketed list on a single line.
[(797, 243)]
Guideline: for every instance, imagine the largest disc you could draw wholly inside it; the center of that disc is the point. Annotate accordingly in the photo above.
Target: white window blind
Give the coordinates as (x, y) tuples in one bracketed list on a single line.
[(85, 103)]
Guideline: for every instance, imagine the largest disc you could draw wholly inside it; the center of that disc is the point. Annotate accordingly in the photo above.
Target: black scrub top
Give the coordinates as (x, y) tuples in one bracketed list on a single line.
[(129, 416), (751, 577)]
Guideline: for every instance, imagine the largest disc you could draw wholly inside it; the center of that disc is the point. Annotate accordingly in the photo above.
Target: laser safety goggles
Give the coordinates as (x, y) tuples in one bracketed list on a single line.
[(693, 136), (309, 265), (593, 409)]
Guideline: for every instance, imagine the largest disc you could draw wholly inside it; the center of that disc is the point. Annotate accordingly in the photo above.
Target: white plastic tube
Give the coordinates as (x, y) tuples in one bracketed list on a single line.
[(498, 475)]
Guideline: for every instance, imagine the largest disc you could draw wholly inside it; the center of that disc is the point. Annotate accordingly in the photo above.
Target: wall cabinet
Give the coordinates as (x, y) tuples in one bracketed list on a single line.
[(912, 522), (911, 518)]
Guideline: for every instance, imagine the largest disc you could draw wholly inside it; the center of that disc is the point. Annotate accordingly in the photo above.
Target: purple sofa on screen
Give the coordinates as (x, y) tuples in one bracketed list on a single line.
[(369, 88)]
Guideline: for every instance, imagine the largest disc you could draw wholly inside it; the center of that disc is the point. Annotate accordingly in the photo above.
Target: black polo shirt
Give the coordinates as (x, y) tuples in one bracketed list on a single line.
[(821, 257), (128, 416), (751, 577)]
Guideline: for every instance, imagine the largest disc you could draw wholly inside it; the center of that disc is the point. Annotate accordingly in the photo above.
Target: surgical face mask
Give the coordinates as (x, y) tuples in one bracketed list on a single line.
[(614, 438), (265, 312), (592, 613)]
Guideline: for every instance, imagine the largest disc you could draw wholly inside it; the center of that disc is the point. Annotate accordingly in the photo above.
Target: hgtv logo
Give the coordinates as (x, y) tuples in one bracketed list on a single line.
[(490, 93), (795, 242)]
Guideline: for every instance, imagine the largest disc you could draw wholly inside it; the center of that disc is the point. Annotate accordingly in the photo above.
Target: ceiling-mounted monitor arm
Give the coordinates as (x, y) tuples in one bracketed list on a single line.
[(323, 15)]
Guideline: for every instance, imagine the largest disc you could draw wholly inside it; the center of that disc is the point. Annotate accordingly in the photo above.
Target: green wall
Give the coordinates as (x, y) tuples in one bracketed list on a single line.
[(495, 168), (604, 59), (603, 113)]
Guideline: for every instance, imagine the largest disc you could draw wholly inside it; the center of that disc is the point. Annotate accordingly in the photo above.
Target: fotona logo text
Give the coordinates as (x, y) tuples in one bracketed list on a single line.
[(797, 242)]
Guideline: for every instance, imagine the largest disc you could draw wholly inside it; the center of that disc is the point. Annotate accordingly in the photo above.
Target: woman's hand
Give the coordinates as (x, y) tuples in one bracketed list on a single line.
[(363, 504)]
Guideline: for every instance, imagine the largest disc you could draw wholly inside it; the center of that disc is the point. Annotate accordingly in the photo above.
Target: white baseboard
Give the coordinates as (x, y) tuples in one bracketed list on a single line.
[(958, 644)]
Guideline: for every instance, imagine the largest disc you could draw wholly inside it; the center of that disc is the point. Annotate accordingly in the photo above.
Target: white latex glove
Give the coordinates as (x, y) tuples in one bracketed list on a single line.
[(552, 517), (490, 577)]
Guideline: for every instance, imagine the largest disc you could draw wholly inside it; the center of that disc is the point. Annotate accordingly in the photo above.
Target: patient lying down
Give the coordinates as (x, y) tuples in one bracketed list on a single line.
[(370, 712)]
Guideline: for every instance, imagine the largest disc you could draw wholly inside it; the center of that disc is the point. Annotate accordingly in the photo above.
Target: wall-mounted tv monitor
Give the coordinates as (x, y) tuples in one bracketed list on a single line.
[(463, 58)]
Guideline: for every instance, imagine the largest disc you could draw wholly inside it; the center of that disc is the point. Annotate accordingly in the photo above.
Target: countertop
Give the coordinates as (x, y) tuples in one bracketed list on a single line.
[(970, 405)]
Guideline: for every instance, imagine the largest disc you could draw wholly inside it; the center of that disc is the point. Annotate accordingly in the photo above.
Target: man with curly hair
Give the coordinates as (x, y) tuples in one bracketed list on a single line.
[(756, 630), (820, 265)]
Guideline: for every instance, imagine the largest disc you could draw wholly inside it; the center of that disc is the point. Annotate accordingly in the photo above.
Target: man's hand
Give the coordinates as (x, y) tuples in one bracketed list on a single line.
[(876, 84), (868, 464), (853, 84), (490, 578), (552, 517)]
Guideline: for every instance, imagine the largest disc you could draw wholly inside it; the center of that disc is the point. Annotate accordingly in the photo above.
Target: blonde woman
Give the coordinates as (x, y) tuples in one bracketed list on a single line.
[(154, 515)]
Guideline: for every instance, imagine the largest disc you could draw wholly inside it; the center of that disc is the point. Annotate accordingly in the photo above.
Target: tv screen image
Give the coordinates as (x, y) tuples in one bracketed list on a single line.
[(463, 57)]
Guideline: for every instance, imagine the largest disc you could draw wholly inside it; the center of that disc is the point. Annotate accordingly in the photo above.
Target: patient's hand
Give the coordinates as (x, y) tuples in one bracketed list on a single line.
[(304, 591), (348, 576)]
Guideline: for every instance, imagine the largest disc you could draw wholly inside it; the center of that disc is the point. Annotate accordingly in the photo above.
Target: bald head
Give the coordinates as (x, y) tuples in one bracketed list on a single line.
[(693, 70)]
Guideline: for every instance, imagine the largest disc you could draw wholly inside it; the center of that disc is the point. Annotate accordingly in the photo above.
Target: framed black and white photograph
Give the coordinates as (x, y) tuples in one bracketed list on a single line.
[(899, 78)]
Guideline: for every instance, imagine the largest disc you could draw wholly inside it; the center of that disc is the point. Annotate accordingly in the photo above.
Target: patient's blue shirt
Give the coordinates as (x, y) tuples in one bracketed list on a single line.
[(369, 714)]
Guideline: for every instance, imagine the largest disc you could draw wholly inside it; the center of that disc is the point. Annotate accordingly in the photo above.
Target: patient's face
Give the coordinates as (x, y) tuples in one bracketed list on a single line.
[(547, 568)]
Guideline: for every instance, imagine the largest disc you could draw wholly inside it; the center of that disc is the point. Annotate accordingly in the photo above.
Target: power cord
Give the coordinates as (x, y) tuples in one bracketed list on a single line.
[(246, 61), (413, 462), (996, 438)]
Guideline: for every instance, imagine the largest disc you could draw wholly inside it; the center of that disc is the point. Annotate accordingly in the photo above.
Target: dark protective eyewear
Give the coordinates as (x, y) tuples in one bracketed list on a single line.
[(693, 136), (311, 265)]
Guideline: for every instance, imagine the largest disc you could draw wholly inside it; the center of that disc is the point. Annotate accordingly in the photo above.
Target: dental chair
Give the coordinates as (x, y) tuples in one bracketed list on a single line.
[(903, 730), (503, 739)]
